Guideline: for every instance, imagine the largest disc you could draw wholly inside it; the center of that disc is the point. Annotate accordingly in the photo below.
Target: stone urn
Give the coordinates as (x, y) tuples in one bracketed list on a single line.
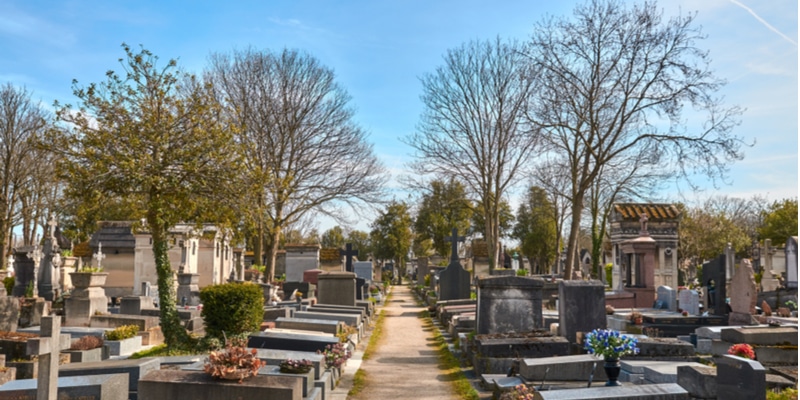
[(84, 280)]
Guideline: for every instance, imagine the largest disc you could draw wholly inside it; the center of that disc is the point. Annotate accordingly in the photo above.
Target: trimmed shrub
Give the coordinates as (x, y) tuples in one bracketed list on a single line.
[(8, 282), (123, 332), (232, 308)]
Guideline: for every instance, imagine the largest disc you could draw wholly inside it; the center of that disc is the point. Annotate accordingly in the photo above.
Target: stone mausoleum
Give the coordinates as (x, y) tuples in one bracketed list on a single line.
[(625, 225)]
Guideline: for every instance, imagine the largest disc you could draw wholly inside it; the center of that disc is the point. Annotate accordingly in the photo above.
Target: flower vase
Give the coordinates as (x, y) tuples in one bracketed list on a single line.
[(612, 368)]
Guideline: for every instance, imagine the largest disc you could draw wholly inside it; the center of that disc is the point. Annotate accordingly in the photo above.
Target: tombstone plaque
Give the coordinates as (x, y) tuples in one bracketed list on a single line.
[(791, 262), (667, 298), (714, 279), (740, 378), (581, 307), (503, 299), (689, 301)]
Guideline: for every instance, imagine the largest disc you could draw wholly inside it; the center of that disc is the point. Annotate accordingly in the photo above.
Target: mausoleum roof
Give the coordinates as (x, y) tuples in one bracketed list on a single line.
[(634, 211)]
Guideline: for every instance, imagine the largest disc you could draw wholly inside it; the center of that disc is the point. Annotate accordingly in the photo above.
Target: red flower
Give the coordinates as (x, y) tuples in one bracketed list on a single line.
[(742, 350)]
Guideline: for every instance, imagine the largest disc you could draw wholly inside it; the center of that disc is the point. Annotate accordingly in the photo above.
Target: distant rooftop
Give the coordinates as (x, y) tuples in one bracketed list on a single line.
[(634, 211)]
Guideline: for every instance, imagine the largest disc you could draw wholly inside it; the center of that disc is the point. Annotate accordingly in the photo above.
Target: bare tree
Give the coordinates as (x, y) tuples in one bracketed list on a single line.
[(614, 82), (303, 149), (22, 122), (473, 125)]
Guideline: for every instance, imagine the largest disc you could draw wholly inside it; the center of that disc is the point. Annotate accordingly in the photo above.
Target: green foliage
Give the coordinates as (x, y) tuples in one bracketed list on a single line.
[(8, 282), (522, 272), (427, 280), (445, 207), (360, 241), (704, 234), (391, 234), (155, 137), (786, 394), (333, 238), (780, 221), (506, 220), (232, 308), (536, 229), (29, 290), (122, 332), (609, 274)]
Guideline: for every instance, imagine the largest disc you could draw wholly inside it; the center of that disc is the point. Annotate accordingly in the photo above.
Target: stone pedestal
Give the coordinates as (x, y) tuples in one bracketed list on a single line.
[(337, 288), (31, 311), (503, 299), (188, 289), (581, 308), (133, 305), (87, 299)]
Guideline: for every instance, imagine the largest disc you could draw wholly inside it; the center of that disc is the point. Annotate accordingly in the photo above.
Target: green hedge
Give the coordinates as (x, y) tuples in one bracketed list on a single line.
[(232, 308)]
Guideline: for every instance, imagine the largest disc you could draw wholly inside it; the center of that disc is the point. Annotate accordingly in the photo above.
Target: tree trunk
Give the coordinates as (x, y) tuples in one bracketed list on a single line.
[(572, 243), (275, 235), (174, 333)]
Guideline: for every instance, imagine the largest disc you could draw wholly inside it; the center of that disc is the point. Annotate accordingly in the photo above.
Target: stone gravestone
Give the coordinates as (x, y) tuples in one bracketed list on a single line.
[(714, 281), (454, 280), (689, 301), (363, 270), (791, 262), (422, 269), (9, 312), (503, 300), (581, 307), (743, 295), (26, 270), (188, 293), (666, 297), (300, 258), (740, 378), (337, 288)]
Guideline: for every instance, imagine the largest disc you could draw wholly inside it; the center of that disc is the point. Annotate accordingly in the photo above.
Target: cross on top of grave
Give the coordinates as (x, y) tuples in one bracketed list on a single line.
[(454, 240), (348, 254), (47, 348), (35, 255), (52, 223), (643, 221), (99, 256)]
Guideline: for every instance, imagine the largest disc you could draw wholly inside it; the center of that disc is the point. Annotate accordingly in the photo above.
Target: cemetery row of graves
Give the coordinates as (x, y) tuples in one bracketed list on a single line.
[(562, 339)]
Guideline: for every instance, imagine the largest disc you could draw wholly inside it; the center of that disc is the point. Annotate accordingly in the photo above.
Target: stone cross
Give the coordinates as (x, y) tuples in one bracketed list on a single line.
[(99, 256), (348, 254), (36, 256), (47, 348), (52, 223), (643, 221), (454, 240)]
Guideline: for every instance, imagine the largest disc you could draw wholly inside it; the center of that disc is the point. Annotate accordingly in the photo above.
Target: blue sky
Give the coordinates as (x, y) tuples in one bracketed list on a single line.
[(379, 49)]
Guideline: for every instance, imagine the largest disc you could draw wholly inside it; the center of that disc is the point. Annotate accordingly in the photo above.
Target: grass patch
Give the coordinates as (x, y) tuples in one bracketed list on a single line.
[(160, 351), (448, 362), (786, 394), (359, 383)]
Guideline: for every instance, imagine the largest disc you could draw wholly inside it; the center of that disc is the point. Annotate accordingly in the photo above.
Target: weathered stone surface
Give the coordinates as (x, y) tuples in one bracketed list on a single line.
[(502, 299), (133, 368), (581, 307), (666, 371), (105, 387), (664, 391), (529, 347), (337, 288), (565, 368), (167, 384), (319, 325), (9, 313), (700, 382), (664, 347), (740, 378), (454, 282), (766, 336), (293, 342)]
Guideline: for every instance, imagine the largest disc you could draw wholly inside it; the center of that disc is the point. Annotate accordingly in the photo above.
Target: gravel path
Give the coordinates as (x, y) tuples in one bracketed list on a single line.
[(405, 364)]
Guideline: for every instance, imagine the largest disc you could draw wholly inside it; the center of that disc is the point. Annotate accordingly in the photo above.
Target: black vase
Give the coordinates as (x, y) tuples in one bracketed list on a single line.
[(612, 368)]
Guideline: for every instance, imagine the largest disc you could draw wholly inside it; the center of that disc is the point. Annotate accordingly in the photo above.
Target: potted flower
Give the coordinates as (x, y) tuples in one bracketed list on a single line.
[(636, 318), (610, 345), (235, 362), (336, 356), (743, 350), (290, 366)]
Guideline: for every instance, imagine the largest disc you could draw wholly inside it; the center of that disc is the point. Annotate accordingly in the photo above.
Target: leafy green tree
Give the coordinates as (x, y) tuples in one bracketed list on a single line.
[(333, 237), (445, 207), (505, 220), (154, 137), (361, 242), (535, 230), (391, 234), (780, 221), (704, 234)]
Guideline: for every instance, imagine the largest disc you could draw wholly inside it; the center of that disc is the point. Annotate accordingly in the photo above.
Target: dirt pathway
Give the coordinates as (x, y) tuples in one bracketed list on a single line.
[(405, 363)]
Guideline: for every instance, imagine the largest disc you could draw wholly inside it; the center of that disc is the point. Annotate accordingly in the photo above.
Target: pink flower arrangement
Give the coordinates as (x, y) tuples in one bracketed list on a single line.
[(743, 350)]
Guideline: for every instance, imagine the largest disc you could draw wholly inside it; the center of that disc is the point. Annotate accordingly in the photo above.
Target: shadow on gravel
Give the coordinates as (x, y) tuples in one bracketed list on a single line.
[(407, 360), (409, 314)]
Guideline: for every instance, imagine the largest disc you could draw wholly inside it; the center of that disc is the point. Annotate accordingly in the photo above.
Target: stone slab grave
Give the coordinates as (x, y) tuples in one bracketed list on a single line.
[(348, 319), (674, 324), (526, 345), (134, 369), (9, 312), (664, 391), (665, 371), (581, 307), (363, 270), (335, 309), (337, 288), (300, 258), (273, 313), (323, 378), (740, 378), (307, 289), (655, 347), (170, 384), (772, 345), (689, 301), (287, 341), (454, 281), (700, 382), (98, 387), (503, 299), (743, 296), (320, 325), (133, 305), (666, 298), (307, 380)]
